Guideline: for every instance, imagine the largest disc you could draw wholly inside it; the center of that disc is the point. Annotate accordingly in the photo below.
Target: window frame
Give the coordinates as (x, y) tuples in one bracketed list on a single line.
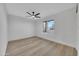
[(45, 26)]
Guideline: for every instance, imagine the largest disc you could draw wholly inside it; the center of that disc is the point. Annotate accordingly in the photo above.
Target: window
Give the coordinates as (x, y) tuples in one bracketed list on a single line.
[(51, 25), (48, 25)]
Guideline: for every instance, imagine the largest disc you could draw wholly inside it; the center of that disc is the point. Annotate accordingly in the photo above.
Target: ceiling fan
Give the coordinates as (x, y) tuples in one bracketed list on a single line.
[(34, 15)]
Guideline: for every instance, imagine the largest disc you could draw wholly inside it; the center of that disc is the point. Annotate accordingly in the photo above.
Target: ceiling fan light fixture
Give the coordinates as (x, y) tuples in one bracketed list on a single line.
[(33, 16)]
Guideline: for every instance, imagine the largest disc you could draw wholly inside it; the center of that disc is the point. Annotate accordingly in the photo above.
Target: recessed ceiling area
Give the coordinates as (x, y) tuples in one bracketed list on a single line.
[(45, 9)]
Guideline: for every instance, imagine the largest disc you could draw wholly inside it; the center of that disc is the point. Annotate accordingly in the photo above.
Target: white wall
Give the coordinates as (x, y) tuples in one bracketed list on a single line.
[(65, 29), (19, 28), (3, 30)]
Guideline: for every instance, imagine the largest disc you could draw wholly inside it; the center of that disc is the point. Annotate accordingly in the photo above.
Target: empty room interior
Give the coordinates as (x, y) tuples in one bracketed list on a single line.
[(39, 29)]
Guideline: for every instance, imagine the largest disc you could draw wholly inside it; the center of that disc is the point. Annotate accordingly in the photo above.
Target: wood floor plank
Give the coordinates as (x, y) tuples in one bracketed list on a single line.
[(36, 46)]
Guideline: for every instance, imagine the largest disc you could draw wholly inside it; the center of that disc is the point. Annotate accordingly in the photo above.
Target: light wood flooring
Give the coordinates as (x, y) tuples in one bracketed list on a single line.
[(36, 46)]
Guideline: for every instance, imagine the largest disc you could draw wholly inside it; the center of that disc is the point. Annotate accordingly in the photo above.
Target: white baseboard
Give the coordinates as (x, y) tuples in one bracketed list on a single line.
[(20, 38)]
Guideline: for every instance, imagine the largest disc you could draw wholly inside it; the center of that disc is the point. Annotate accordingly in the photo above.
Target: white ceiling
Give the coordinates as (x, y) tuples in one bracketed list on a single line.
[(45, 9)]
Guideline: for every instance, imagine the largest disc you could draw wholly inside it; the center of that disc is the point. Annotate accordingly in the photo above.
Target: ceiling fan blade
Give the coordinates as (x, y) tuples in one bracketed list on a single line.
[(37, 14), (28, 13)]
